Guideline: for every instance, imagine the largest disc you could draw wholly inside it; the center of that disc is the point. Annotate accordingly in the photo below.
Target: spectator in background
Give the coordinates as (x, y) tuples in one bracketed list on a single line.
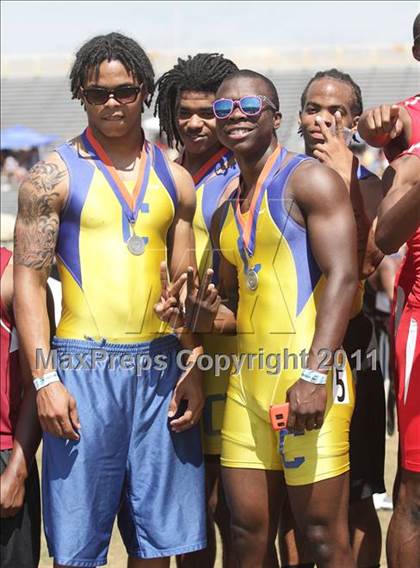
[(12, 170)]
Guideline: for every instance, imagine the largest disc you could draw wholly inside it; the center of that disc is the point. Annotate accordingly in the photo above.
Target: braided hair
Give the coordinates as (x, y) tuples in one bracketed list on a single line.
[(203, 72), (113, 46), (356, 105)]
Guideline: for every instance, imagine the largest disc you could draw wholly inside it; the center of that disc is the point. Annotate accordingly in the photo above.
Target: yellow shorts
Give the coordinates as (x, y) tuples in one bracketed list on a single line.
[(219, 348), (248, 440)]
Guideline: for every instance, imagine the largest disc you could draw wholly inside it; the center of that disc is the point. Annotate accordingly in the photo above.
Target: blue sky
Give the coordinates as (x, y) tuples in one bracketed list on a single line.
[(60, 27)]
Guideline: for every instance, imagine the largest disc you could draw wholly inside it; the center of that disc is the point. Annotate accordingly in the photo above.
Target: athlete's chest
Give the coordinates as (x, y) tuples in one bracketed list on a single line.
[(102, 206), (264, 234)]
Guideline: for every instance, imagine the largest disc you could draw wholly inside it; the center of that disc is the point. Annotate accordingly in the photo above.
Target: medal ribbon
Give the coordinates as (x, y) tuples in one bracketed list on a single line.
[(208, 167), (247, 227), (130, 203)]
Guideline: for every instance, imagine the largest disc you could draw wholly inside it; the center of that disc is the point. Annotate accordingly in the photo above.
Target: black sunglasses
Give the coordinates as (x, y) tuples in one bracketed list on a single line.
[(100, 95)]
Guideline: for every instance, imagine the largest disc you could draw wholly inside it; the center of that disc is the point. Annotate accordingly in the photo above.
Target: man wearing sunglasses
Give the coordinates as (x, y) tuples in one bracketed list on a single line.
[(184, 105), (120, 423), (287, 239)]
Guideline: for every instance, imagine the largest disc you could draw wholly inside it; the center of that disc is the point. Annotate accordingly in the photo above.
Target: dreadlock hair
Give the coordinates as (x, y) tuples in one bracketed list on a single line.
[(203, 72), (356, 105), (113, 46)]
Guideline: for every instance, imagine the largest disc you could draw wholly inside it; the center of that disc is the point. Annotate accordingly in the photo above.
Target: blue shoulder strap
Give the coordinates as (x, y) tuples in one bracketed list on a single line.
[(363, 173), (80, 173), (164, 173)]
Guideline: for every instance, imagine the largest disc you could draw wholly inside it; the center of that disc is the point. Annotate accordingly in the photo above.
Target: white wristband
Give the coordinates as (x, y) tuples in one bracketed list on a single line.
[(46, 380), (314, 377)]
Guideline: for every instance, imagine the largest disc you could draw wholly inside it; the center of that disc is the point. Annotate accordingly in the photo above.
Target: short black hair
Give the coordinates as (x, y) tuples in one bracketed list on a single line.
[(112, 46), (357, 104), (203, 72), (416, 29), (249, 74)]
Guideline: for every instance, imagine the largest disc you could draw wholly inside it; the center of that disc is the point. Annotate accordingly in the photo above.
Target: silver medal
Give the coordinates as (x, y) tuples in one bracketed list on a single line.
[(252, 280), (136, 245)]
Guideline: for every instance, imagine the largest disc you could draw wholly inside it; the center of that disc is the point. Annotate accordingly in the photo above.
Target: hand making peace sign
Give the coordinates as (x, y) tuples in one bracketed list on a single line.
[(201, 302), (169, 308)]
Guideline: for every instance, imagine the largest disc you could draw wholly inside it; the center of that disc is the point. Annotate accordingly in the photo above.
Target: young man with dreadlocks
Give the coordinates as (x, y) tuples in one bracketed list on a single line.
[(331, 105), (184, 105), (120, 424)]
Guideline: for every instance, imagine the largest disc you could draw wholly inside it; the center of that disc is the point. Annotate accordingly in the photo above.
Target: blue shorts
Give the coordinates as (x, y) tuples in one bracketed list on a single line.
[(127, 461)]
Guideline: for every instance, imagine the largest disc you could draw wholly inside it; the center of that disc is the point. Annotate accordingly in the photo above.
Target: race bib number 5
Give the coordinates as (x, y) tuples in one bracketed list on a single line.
[(341, 393)]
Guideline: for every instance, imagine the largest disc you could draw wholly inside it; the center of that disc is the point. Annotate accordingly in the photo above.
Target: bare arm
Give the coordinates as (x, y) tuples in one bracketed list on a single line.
[(41, 198), (335, 154), (323, 200), (372, 194), (399, 213), (384, 278), (28, 432), (322, 197), (181, 244), (205, 312), (181, 258)]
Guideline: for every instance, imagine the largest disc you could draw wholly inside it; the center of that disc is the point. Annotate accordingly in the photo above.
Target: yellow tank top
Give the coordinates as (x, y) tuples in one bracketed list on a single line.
[(108, 292), (278, 316), (210, 186)]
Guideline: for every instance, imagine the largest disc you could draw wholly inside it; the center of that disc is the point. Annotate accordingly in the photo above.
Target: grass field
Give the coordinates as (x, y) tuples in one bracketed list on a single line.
[(117, 556)]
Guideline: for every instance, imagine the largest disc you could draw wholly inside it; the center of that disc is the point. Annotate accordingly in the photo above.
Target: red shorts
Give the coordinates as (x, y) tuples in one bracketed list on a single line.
[(407, 358)]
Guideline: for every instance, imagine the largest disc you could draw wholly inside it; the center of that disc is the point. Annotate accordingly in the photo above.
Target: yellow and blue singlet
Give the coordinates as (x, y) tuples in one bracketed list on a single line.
[(109, 293), (275, 324), (211, 182)]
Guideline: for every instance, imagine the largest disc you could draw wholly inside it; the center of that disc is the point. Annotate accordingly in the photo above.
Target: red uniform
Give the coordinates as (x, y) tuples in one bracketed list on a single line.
[(412, 105), (10, 387), (407, 348), (20, 534)]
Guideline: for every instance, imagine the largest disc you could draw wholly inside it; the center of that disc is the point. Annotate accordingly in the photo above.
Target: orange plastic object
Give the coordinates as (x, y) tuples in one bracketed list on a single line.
[(279, 414)]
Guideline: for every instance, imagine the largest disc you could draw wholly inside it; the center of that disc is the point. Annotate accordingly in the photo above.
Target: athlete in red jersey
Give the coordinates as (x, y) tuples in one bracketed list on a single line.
[(399, 222), (394, 127), (397, 129), (19, 437), (9, 378)]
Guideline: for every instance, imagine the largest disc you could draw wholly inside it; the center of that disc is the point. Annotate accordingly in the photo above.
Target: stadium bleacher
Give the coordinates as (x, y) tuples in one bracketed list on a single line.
[(44, 103), (35, 92)]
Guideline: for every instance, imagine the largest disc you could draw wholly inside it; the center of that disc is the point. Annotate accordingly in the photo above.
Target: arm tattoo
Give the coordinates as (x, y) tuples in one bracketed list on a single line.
[(44, 176), (38, 222)]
